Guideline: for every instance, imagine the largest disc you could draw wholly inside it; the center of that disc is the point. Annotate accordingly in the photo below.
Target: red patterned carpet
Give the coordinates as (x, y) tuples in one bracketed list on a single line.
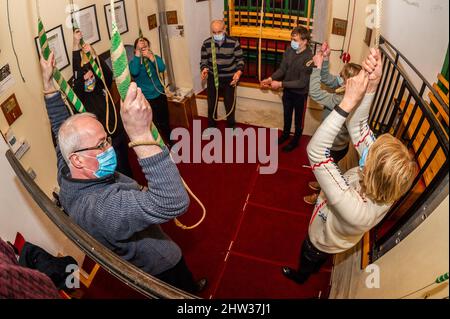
[(255, 224)]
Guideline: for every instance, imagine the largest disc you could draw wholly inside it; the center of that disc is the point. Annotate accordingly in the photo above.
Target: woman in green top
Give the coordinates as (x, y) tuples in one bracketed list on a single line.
[(150, 84)]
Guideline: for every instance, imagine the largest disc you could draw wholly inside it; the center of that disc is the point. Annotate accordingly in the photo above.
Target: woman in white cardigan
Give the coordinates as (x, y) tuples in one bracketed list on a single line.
[(352, 204)]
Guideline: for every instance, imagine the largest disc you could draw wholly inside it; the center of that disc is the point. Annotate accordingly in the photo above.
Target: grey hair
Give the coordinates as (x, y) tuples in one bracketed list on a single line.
[(70, 136), (218, 21)]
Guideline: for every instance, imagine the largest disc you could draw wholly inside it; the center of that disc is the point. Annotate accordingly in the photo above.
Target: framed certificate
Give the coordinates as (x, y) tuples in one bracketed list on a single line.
[(86, 20), (121, 17), (57, 44)]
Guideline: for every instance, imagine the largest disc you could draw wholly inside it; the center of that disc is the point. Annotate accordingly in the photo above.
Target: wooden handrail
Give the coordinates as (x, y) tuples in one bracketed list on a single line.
[(441, 93), (279, 33), (267, 33), (438, 105), (131, 275), (275, 23), (273, 15), (443, 80)]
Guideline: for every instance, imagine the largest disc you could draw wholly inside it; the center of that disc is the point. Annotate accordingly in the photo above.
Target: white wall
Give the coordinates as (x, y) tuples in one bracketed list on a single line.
[(357, 49), (197, 30), (420, 30)]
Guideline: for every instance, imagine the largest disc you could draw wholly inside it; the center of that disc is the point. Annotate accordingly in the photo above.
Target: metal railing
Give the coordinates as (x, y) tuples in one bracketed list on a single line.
[(400, 108), (109, 261)]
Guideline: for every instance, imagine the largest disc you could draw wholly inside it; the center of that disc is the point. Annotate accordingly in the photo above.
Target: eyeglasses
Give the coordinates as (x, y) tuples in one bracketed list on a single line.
[(106, 142)]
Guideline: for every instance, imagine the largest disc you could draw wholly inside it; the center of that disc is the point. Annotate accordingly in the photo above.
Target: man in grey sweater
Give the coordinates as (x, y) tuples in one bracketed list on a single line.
[(111, 207), (293, 76)]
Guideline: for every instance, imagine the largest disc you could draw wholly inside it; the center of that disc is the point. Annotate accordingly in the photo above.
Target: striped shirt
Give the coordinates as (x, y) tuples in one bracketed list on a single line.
[(230, 57)]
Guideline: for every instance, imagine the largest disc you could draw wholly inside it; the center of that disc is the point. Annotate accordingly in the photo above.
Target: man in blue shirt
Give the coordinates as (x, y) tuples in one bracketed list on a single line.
[(151, 85)]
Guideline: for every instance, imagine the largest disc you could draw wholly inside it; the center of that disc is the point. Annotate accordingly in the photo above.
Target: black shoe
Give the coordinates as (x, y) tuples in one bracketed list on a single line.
[(201, 285), (283, 138), (291, 146), (293, 275)]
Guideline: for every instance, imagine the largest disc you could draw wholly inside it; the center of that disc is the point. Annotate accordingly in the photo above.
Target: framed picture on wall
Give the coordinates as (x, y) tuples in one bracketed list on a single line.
[(11, 109), (368, 38), (152, 22), (339, 27), (86, 20), (121, 17), (57, 44)]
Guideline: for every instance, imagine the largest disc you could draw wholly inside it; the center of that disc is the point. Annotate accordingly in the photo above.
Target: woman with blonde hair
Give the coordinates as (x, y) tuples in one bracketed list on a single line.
[(352, 204)]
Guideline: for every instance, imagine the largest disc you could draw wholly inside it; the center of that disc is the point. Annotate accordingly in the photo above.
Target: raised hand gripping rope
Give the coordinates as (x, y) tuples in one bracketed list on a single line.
[(123, 81), (62, 83)]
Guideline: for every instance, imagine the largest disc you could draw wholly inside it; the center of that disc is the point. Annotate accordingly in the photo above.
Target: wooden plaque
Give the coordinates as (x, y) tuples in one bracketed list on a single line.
[(152, 22), (11, 109), (339, 27), (368, 38), (172, 17)]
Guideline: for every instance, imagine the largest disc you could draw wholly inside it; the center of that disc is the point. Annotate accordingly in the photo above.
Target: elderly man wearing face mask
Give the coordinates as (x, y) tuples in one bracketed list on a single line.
[(230, 65), (92, 93), (110, 206), (293, 76)]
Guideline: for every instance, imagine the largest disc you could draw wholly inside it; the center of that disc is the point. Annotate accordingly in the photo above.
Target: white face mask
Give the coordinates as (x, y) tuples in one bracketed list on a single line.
[(219, 37)]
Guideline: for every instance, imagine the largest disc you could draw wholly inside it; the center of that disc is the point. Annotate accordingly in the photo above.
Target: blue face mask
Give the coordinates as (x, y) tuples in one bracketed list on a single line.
[(89, 85), (340, 80), (219, 37), (295, 45), (363, 159), (107, 163)]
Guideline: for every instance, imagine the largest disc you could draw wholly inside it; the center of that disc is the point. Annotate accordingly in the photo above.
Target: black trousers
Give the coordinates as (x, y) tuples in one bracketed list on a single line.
[(225, 90), (160, 109), (293, 103), (339, 155), (179, 276), (311, 259), (120, 144)]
